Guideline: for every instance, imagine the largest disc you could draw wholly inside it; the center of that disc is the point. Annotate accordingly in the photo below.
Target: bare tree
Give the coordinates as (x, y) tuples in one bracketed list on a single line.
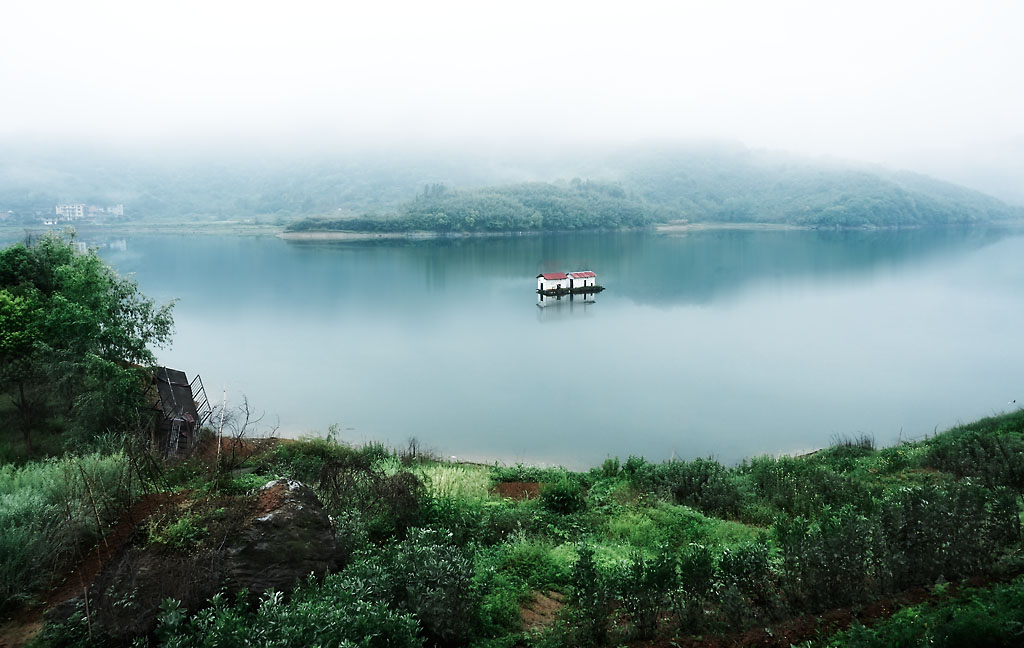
[(237, 424)]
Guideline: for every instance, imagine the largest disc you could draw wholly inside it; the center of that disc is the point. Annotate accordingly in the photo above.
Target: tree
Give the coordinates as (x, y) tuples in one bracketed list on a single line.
[(75, 337)]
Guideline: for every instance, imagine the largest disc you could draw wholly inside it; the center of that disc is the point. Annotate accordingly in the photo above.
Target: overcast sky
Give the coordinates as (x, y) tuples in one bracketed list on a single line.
[(876, 81)]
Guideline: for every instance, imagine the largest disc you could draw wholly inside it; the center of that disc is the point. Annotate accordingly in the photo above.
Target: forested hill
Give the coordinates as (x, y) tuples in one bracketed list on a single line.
[(711, 184), (738, 185), (472, 191), (521, 207)]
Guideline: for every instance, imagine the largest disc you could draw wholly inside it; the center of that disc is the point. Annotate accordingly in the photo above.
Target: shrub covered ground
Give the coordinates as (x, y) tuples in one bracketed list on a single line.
[(429, 554)]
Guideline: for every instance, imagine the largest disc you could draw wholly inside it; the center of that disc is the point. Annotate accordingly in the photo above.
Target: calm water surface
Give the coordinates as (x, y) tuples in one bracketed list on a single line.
[(726, 344)]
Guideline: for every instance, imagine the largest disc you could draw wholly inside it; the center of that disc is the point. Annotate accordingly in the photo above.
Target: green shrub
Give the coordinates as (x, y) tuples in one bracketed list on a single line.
[(993, 618), (696, 583), (535, 564), (704, 484), (799, 486), (748, 569), (342, 611), (524, 473), (996, 459), (563, 497), (389, 503), (645, 587), (434, 581), (610, 468), (591, 598), (948, 531), (828, 562)]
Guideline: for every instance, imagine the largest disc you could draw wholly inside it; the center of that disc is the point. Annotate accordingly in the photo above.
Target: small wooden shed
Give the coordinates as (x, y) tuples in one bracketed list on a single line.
[(182, 408)]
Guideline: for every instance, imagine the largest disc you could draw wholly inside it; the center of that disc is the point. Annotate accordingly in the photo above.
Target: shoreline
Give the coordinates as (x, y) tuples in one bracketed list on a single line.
[(239, 228), (663, 228)]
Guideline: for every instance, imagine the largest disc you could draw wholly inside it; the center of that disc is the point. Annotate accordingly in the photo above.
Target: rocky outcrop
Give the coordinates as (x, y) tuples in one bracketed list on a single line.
[(287, 537)]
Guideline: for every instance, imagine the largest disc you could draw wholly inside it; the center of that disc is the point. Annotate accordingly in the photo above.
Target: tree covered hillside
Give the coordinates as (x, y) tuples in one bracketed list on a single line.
[(400, 190), (739, 185), (521, 207)]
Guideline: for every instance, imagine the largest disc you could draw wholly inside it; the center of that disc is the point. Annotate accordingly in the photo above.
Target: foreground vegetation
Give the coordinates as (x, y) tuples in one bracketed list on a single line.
[(429, 554)]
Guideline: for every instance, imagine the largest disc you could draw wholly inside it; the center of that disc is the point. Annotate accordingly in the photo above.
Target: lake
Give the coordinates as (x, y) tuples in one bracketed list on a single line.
[(715, 343)]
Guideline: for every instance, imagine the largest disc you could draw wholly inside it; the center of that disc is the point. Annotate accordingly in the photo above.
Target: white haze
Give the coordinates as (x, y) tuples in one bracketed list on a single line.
[(932, 86)]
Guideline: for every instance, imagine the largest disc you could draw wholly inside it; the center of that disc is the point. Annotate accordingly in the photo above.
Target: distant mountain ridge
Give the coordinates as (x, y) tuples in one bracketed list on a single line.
[(627, 187)]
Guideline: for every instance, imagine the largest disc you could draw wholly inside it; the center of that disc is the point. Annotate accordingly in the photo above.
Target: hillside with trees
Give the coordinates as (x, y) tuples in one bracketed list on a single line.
[(524, 207), (713, 185), (391, 191)]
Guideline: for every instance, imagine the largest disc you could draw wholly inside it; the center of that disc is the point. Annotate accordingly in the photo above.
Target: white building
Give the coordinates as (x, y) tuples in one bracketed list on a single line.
[(582, 279), (71, 211), (552, 281)]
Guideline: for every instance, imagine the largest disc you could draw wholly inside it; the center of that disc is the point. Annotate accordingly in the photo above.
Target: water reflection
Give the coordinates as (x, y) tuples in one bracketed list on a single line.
[(551, 309)]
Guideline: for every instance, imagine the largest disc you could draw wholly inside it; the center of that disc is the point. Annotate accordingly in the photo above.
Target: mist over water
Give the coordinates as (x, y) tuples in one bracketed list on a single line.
[(721, 343)]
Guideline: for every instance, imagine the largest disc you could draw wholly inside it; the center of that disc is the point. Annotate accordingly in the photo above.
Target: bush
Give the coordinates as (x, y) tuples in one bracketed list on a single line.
[(801, 487), (563, 497), (389, 503), (703, 484), (645, 586), (949, 532), (827, 563), (992, 618), (343, 611), (996, 459), (695, 585), (533, 563), (590, 599), (748, 569), (434, 581)]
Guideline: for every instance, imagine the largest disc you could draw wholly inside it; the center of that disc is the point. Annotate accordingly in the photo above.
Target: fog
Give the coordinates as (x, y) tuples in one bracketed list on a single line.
[(930, 86)]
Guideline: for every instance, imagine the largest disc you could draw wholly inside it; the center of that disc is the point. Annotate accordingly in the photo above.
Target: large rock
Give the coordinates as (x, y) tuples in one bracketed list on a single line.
[(290, 538), (287, 538)]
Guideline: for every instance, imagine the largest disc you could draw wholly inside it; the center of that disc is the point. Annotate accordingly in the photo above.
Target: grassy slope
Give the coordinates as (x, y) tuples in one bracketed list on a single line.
[(629, 516)]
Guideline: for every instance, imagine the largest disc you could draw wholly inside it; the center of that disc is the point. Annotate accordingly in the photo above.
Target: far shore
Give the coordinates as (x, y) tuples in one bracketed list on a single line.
[(243, 228), (668, 228)]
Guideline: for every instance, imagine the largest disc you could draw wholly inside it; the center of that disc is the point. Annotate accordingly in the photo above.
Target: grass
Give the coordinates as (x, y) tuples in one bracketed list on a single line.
[(53, 508), (723, 546), (455, 481)]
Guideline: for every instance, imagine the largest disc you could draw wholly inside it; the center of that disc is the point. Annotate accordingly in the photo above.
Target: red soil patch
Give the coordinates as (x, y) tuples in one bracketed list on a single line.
[(518, 490), (541, 611), (270, 499), (239, 449)]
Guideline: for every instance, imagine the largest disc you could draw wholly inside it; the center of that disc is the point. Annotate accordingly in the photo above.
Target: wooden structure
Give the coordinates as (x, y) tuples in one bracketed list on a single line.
[(183, 409), (557, 284)]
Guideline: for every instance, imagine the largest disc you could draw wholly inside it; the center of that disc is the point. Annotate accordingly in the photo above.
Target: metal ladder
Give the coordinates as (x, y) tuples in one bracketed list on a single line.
[(172, 439)]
